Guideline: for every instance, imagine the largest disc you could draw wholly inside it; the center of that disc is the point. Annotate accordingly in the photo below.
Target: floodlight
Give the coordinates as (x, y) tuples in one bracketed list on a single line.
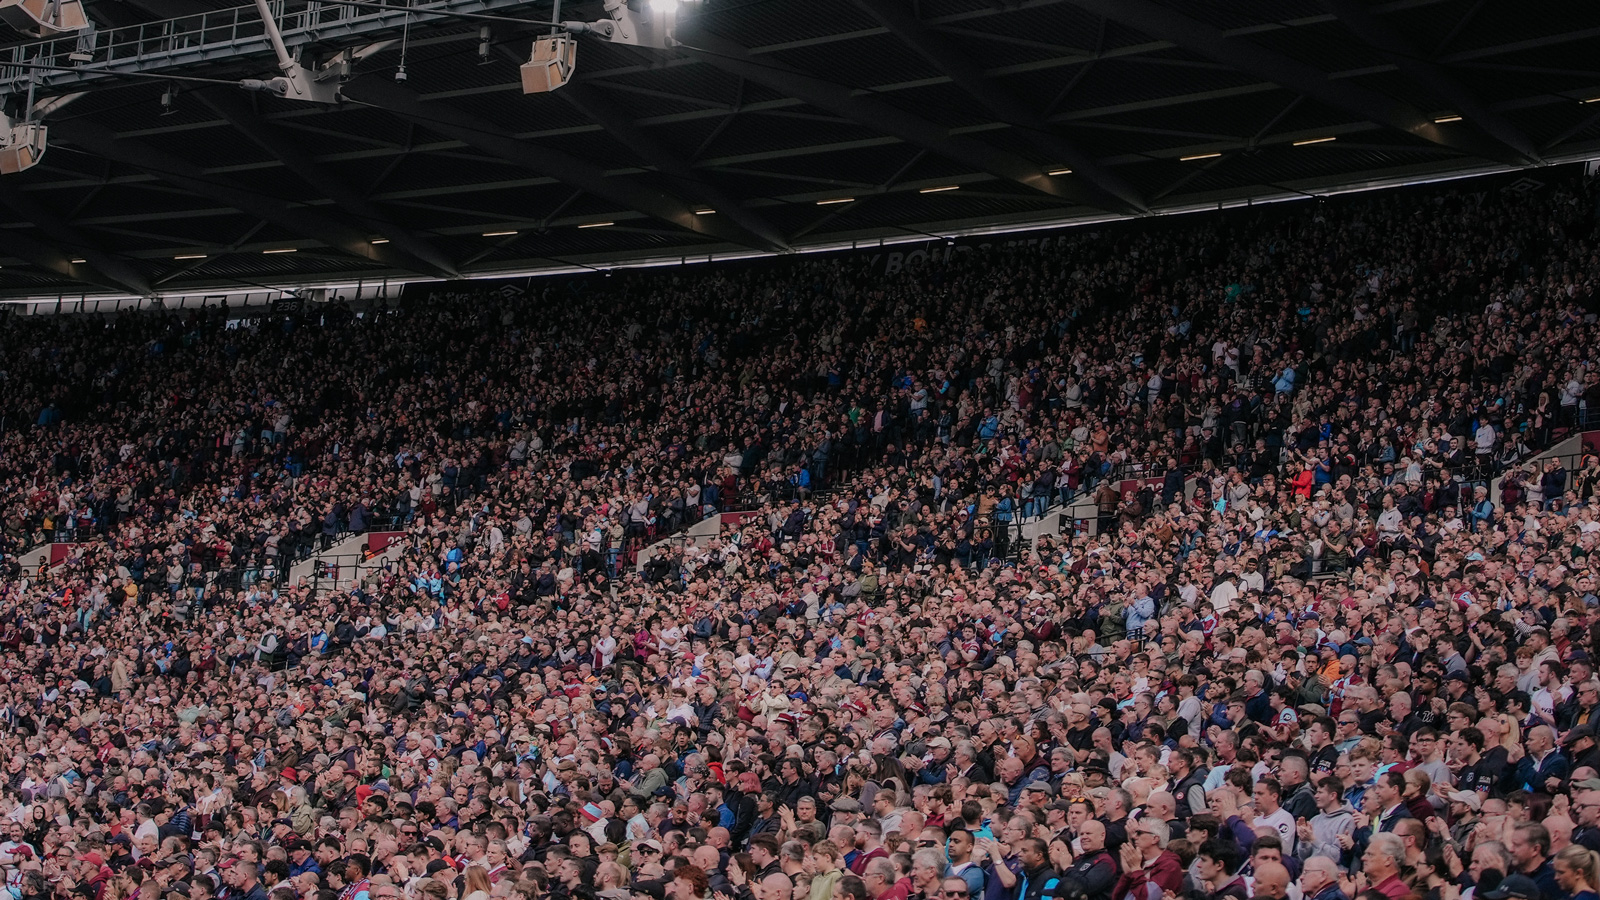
[(44, 18), (551, 66), (21, 145)]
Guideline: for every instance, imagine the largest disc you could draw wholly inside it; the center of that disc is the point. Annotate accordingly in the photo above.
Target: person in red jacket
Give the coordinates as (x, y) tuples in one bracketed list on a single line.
[(1147, 861)]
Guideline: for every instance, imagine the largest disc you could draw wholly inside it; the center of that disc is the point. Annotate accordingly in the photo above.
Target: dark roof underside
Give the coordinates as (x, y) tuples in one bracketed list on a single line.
[(981, 95)]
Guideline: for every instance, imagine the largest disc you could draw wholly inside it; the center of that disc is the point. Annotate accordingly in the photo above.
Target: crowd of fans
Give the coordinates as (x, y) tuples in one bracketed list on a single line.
[(1334, 641)]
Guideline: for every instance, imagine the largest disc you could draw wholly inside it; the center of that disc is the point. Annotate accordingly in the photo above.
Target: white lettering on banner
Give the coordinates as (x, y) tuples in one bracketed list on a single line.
[(892, 265)]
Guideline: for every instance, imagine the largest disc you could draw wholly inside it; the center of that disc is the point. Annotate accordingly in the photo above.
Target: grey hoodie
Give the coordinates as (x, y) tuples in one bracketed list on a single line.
[(1325, 831)]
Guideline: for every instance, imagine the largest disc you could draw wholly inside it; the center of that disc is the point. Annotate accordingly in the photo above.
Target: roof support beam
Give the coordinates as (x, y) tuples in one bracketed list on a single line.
[(114, 270), (1197, 37), (184, 174), (875, 114), (233, 106), (14, 243), (169, 9), (484, 136), (596, 106), (1001, 103), (1381, 36)]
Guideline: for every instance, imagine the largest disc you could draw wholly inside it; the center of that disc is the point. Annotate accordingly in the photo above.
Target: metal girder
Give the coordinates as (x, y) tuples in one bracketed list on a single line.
[(904, 24), (13, 243), (875, 114), (169, 9), (619, 125), (233, 106), (1197, 37), (180, 172), (1381, 36), (114, 268), (482, 135)]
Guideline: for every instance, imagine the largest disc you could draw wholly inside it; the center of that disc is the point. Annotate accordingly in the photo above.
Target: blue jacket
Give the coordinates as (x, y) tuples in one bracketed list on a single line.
[(1531, 775)]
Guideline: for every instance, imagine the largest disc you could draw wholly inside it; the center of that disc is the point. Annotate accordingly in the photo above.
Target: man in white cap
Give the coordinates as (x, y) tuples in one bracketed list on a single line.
[(932, 770)]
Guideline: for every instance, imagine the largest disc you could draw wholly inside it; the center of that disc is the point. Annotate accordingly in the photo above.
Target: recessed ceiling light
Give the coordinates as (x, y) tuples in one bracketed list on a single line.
[(1443, 119), (705, 212), (836, 200), (282, 250), (1199, 156), (1309, 141), (191, 256), (77, 261), (1591, 100), (379, 241), (596, 224), (498, 233), (940, 190), (1059, 172)]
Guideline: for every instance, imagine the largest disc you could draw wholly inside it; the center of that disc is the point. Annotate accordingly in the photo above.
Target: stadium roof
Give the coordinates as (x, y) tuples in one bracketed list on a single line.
[(777, 125)]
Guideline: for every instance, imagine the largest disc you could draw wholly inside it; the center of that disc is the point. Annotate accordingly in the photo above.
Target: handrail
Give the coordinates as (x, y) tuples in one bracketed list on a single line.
[(218, 34)]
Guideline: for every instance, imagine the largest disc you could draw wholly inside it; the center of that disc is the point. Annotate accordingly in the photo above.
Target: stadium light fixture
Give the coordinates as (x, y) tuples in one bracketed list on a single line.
[(1441, 120), (705, 212), (44, 18), (1309, 141), (191, 256), (651, 23), (941, 189), (836, 200), (79, 262), (498, 233), (1059, 172), (378, 241), (1196, 156), (282, 250), (596, 224), (22, 145)]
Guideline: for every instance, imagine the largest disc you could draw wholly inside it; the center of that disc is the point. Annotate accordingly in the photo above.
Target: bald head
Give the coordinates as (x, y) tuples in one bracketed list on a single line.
[(1560, 828), (1272, 881), (1162, 805)]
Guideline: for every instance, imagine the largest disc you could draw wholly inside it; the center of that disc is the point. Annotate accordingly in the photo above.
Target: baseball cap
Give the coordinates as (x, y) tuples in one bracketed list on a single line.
[(1519, 886), (1472, 799)]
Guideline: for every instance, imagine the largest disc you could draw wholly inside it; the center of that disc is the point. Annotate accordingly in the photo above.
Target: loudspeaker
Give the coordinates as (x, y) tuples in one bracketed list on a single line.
[(21, 146), (554, 59), (44, 18)]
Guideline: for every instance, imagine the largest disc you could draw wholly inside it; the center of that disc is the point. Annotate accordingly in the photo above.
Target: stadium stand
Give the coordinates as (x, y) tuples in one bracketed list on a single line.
[(1328, 630)]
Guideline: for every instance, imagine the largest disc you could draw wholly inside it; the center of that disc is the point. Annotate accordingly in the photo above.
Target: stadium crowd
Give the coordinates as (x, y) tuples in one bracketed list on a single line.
[(1308, 653)]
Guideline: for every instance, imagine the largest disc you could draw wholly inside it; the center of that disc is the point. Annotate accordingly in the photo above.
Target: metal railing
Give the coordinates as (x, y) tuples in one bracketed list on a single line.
[(220, 34)]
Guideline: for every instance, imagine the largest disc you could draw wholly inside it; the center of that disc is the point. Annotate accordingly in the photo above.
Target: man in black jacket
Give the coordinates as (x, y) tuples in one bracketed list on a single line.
[(1039, 880), (795, 784), (741, 798), (1092, 875)]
